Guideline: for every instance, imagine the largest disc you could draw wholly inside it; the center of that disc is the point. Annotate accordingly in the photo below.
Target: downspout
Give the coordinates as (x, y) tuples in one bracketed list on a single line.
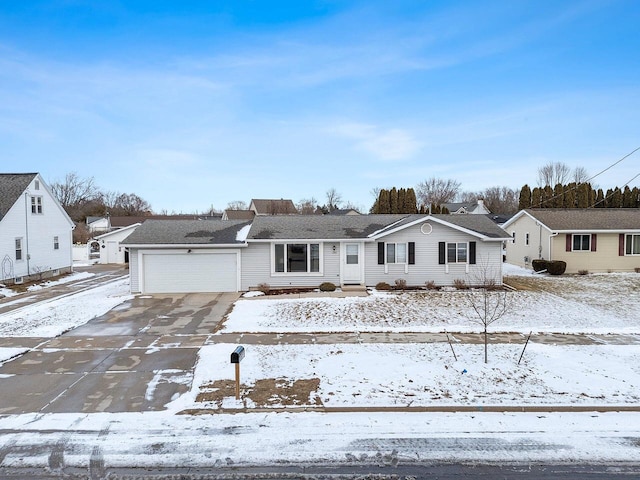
[(26, 231), (550, 237)]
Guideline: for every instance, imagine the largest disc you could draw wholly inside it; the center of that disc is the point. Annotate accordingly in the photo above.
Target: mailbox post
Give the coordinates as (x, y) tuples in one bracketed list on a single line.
[(236, 357)]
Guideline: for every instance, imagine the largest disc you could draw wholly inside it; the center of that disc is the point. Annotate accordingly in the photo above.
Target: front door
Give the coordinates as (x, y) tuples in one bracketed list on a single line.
[(352, 263)]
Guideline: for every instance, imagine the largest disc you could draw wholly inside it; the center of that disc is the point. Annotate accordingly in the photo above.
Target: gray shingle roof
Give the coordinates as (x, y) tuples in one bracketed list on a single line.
[(318, 226), (567, 219), (274, 206), (357, 226), (177, 232), (12, 185)]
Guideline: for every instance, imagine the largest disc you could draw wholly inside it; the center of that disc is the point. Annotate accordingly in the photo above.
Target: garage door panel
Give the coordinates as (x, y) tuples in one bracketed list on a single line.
[(190, 272)]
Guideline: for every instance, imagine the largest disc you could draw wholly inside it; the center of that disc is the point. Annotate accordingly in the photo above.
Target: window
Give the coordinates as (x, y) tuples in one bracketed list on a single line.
[(632, 244), (18, 248), (297, 257), (526, 238), (396, 253), (36, 185), (582, 243), (352, 254), (56, 243), (513, 236), (36, 204), (456, 253)]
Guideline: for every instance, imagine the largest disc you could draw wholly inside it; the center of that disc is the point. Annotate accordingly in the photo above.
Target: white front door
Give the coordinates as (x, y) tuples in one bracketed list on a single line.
[(352, 263)]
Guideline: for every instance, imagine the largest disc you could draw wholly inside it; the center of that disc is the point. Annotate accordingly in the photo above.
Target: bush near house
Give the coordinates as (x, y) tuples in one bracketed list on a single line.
[(556, 267), (539, 265), (383, 286), (401, 284), (327, 287)]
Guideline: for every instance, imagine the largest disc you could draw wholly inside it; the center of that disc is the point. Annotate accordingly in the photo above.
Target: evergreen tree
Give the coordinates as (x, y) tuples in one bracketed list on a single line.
[(525, 198), (599, 203), (536, 198), (393, 201), (547, 194), (384, 205), (616, 198), (402, 200), (570, 196), (558, 196), (627, 198), (635, 193), (411, 201), (582, 196)]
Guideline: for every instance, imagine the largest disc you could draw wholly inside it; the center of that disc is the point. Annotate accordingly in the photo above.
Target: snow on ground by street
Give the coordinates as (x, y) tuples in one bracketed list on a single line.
[(370, 375), (605, 303), (73, 277), (50, 319)]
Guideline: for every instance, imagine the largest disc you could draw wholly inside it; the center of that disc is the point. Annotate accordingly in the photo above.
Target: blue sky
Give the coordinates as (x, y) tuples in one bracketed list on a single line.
[(194, 104)]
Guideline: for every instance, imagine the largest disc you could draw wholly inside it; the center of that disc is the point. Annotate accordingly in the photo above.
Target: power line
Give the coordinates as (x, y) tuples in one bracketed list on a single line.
[(625, 185), (589, 179)]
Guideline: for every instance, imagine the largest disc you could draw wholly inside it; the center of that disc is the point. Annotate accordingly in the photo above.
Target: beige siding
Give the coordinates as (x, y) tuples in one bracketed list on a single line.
[(538, 246), (604, 259), (426, 268)]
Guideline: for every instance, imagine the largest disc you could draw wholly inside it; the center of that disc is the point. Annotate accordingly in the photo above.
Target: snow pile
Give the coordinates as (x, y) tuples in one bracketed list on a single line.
[(74, 277)]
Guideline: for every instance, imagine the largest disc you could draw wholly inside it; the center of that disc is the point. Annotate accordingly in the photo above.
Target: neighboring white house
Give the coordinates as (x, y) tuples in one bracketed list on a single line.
[(587, 239), (282, 251), (35, 231), (98, 224), (111, 251), (474, 208)]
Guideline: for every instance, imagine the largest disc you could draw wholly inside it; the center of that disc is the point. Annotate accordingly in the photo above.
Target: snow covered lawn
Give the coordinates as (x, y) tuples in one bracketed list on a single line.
[(53, 318), (607, 303)]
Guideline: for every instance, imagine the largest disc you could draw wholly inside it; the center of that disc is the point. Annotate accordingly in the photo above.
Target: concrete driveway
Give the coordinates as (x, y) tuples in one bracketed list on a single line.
[(137, 357)]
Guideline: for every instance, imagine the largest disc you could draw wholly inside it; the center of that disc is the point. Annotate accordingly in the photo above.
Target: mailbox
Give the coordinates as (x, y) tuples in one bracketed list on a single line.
[(237, 355)]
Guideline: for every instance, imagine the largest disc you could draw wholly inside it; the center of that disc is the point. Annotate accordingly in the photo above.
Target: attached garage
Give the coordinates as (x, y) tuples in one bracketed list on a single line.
[(195, 272), (186, 256)]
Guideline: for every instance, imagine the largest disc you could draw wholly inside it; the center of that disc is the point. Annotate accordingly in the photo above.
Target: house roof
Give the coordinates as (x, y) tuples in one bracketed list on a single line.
[(273, 206), (481, 225), (239, 214), (12, 186), (585, 219), (361, 226), (117, 232), (344, 211), (187, 232), (126, 220), (319, 226)]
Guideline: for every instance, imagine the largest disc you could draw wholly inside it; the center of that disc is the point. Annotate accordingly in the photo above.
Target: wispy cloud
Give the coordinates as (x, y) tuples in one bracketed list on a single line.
[(384, 144)]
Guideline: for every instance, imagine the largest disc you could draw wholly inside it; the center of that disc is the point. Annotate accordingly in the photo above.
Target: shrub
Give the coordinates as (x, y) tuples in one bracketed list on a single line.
[(401, 284), (539, 265), (430, 285), (637, 269), (556, 267), (327, 287), (460, 284), (383, 286), (264, 288), (583, 272)]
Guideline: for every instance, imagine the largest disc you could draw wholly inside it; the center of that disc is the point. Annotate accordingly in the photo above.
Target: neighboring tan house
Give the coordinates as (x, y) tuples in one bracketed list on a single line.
[(306, 250), (238, 214), (35, 231), (273, 207), (111, 250), (344, 211), (591, 239), (474, 208)]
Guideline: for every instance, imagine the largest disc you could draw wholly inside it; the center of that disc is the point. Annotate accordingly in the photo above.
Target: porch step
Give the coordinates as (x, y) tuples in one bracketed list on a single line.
[(353, 288)]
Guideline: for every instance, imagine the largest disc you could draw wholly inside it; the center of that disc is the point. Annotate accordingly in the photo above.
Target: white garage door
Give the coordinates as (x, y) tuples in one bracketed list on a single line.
[(190, 272)]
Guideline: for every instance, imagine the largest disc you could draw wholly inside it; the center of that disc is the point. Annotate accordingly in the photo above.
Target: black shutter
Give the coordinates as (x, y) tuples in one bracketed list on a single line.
[(472, 253), (442, 250), (412, 253), (380, 253)]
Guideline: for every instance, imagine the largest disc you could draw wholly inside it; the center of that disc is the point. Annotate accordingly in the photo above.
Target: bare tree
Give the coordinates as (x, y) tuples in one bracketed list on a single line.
[(553, 173), (237, 205), (437, 191), (73, 190), (307, 206), (501, 199), (489, 301), (334, 199), (580, 175), (130, 204)]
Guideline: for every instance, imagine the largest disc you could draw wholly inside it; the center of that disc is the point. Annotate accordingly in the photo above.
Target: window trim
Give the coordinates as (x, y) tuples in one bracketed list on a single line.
[(527, 237), (394, 260), (628, 244), (307, 245), (19, 247), (582, 235), (457, 261), (36, 204), (56, 242)]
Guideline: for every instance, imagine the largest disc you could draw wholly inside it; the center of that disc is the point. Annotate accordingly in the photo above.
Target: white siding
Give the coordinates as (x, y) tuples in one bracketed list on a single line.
[(256, 268), (117, 237), (426, 268), (134, 273), (37, 232)]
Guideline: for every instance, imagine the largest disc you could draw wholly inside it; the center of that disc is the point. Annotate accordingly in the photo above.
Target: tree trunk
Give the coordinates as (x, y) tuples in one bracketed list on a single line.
[(486, 338)]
